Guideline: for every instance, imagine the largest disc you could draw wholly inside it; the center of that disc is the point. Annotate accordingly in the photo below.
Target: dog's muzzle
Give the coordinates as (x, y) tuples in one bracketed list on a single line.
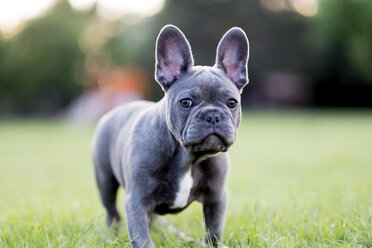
[(209, 134)]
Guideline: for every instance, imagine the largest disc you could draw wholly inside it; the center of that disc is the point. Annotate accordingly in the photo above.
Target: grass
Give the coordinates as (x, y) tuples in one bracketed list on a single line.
[(296, 180)]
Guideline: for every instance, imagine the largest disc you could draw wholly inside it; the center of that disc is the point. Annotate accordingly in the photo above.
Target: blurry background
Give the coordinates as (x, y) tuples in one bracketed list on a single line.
[(297, 178), (79, 58)]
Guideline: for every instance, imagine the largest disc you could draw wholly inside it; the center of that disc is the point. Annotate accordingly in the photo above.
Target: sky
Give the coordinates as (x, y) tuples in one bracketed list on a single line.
[(14, 13)]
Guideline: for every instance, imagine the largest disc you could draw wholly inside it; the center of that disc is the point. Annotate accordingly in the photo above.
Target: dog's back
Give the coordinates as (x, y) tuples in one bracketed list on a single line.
[(113, 124), (121, 118)]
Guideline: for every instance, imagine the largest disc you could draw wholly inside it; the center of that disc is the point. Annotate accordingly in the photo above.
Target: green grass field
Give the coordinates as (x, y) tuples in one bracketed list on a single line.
[(296, 180)]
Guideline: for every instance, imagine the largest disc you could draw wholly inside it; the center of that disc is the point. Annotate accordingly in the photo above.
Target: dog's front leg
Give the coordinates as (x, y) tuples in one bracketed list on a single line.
[(214, 207), (215, 196), (138, 222)]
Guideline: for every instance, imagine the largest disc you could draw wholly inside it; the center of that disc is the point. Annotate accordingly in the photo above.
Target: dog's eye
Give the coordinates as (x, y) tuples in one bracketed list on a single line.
[(186, 103), (231, 103)]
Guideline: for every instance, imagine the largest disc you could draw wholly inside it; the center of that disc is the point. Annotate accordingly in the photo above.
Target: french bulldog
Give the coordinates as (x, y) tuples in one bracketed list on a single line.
[(173, 152)]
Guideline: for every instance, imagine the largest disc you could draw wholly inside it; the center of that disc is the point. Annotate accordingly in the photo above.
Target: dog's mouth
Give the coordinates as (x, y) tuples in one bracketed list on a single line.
[(211, 144)]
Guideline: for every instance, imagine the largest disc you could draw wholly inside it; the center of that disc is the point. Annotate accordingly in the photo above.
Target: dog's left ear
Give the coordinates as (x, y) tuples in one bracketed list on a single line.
[(173, 56), (232, 56)]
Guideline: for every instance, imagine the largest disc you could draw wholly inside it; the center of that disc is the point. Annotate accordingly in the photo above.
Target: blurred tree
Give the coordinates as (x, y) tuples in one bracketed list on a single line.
[(276, 39), (3, 98), (39, 65), (44, 66), (341, 32)]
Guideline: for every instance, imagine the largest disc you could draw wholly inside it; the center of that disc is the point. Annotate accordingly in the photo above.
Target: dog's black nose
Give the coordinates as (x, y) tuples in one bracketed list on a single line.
[(212, 117)]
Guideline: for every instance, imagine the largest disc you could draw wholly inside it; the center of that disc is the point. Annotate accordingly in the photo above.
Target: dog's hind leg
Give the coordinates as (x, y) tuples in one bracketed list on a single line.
[(106, 181), (108, 187)]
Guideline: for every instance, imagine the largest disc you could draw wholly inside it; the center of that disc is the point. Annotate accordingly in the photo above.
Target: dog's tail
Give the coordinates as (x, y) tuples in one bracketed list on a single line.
[(163, 221)]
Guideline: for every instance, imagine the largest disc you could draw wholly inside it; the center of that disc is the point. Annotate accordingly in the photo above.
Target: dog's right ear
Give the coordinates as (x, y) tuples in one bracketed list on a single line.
[(173, 56)]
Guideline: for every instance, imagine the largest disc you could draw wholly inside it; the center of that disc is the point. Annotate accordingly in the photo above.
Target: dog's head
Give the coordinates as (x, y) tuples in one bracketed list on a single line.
[(203, 102)]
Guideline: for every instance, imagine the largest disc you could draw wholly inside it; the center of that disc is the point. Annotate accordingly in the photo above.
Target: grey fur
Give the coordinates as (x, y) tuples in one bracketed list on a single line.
[(147, 147)]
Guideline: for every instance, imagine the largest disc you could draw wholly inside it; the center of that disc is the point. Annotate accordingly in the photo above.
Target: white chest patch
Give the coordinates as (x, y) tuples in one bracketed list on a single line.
[(183, 191)]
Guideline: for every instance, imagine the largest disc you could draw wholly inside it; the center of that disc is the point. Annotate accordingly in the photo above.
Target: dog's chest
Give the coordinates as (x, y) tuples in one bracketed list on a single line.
[(183, 191)]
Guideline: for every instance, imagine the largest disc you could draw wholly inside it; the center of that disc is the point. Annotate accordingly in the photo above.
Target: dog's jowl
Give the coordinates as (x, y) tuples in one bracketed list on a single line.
[(172, 152)]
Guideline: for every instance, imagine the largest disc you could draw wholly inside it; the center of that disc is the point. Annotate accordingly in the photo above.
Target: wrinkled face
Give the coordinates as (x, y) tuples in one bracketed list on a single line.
[(203, 110), (203, 102)]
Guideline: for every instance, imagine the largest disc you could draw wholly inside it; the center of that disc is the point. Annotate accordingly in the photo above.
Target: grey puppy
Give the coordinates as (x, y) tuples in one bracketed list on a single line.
[(170, 153)]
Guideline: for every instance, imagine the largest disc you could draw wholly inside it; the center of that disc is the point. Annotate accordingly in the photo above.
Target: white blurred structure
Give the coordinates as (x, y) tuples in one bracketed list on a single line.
[(114, 87)]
